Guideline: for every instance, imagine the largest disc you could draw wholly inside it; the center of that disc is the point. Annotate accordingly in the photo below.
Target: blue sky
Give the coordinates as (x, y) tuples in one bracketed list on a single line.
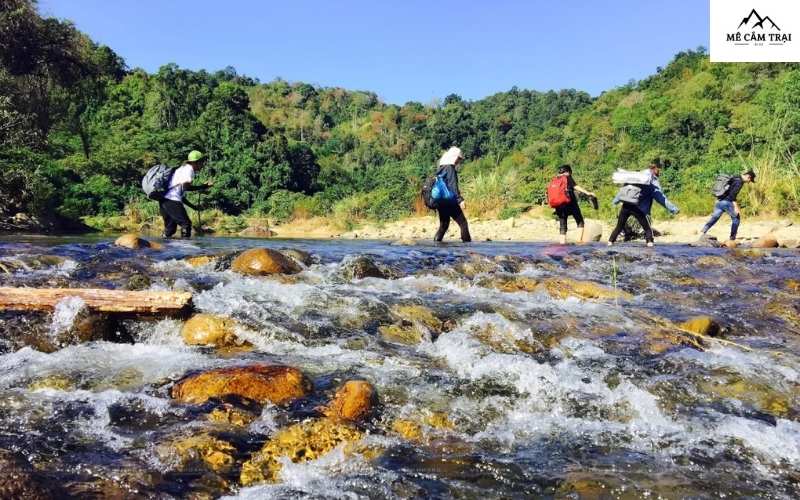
[(403, 50)]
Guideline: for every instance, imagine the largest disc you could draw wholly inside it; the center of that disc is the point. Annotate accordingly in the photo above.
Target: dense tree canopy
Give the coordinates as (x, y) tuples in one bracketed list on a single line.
[(78, 129)]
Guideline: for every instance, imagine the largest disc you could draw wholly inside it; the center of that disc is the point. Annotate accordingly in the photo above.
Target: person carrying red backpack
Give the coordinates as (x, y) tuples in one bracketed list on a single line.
[(561, 196)]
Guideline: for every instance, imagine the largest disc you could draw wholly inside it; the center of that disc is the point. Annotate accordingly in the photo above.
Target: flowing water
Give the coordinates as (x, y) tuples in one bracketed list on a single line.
[(523, 393)]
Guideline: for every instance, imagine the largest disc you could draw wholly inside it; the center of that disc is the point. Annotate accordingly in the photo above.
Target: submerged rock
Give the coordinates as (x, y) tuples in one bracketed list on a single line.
[(261, 383), (760, 395), (18, 480), (263, 261), (200, 260), (299, 443), (230, 415), (563, 288), (404, 332), (353, 402), (53, 382), (362, 266), (711, 261), (510, 283), (209, 329), (135, 242), (214, 453), (300, 256), (415, 313), (662, 340)]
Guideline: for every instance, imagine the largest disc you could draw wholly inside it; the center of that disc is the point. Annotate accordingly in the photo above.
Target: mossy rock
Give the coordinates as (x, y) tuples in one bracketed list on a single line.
[(301, 442)]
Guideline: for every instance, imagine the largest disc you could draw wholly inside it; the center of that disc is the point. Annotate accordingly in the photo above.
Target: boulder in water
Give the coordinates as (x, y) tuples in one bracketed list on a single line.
[(353, 402), (767, 241), (703, 325), (759, 395), (261, 383), (404, 332), (711, 261), (263, 261), (510, 283), (362, 267), (415, 313), (209, 329), (135, 242), (301, 442)]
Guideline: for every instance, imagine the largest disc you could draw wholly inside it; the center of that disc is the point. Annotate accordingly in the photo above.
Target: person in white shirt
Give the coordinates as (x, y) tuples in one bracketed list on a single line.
[(172, 205)]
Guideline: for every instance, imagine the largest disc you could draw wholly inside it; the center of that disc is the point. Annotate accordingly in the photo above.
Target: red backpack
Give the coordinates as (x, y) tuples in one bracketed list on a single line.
[(558, 191)]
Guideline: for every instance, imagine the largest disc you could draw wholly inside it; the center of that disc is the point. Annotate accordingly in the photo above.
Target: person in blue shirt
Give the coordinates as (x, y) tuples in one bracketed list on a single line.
[(651, 191), (727, 203)]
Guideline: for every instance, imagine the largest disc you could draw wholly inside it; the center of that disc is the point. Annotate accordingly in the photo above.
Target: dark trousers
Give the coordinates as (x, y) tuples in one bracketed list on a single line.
[(174, 215), (449, 211), (628, 210), (565, 211)]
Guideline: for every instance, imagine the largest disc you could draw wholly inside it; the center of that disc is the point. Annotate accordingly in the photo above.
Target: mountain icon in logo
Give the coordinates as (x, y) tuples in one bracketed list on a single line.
[(761, 20)]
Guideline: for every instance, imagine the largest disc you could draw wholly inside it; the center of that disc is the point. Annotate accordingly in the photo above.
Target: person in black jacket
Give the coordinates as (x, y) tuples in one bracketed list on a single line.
[(727, 203), (449, 163), (571, 208)]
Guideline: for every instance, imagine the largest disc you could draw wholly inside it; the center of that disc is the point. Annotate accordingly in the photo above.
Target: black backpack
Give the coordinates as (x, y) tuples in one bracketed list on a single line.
[(721, 185), (427, 188)]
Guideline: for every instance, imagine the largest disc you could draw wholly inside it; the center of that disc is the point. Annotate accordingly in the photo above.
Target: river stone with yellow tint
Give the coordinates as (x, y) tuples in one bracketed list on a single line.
[(200, 260), (757, 394), (215, 453), (418, 314), (353, 402), (300, 443), (661, 340), (228, 415), (511, 283), (786, 310), (261, 383), (209, 329), (135, 242), (563, 288), (54, 382), (702, 325), (263, 261), (711, 261), (405, 332)]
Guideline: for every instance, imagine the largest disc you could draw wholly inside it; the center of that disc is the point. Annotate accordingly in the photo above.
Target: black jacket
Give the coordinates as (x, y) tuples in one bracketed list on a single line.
[(451, 179), (733, 188)]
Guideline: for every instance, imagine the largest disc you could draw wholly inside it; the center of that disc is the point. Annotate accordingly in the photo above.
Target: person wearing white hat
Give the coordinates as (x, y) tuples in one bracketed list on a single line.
[(453, 207)]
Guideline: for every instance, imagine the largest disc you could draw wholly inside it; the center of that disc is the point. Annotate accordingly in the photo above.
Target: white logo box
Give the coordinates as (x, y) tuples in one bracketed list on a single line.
[(755, 31)]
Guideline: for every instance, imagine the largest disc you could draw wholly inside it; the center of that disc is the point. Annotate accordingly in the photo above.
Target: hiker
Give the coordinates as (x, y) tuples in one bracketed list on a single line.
[(726, 189), (637, 201), (568, 205), (451, 205), (172, 205)]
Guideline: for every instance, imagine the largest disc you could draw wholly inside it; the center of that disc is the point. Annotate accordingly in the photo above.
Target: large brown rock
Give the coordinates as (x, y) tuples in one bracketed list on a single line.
[(209, 329), (264, 261), (353, 402), (261, 383), (766, 241), (134, 242)]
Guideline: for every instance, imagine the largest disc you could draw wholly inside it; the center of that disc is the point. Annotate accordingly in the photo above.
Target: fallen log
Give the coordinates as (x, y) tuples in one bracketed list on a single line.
[(99, 300)]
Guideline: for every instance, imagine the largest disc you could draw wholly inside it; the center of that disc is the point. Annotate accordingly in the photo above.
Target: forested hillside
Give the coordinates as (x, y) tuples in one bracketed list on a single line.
[(78, 128)]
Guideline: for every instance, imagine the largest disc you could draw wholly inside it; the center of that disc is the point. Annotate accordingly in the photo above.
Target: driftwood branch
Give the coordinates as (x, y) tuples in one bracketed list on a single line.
[(107, 301)]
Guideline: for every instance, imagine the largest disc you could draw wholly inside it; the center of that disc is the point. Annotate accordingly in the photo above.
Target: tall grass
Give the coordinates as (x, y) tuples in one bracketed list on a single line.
[(489, 193), (777, 186)]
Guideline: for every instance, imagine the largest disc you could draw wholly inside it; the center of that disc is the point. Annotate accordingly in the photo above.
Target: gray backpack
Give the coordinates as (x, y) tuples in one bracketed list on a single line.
[(721, 185), (630, 193), (155, 183)]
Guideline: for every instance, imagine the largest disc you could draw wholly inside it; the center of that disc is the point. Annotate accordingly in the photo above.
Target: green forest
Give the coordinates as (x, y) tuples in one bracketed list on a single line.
[(78, 129)]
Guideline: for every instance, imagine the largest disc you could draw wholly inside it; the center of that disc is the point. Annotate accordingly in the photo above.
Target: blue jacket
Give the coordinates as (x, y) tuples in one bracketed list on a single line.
[(650, 192)]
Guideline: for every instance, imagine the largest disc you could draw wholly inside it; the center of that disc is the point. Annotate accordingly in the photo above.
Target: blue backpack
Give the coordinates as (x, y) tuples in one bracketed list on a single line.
[(440, 191)]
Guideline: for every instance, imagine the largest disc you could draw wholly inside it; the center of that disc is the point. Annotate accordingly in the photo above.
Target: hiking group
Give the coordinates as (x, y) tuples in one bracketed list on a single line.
[(638, 191)]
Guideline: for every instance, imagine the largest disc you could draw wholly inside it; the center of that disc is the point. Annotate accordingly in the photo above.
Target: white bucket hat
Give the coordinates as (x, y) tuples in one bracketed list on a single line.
[(451, 156)]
